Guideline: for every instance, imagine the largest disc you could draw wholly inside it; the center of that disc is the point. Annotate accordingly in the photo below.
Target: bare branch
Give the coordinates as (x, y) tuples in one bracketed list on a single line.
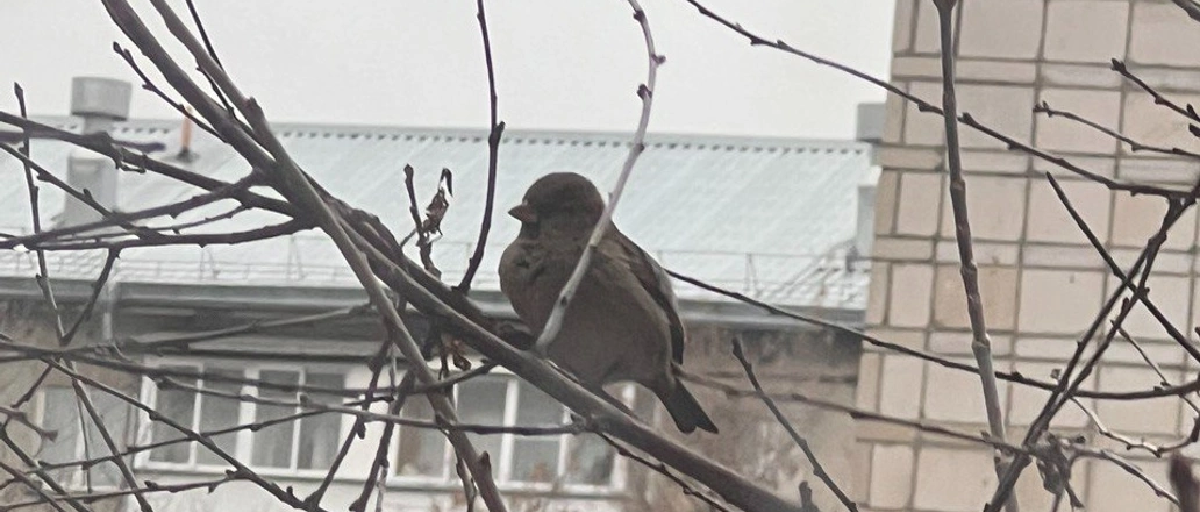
[(981, 343), (43, 277), (1187, 112), (664, 470), (818, 470), (85, 399), (240, 469), (97, 287), (1116, 271), (924, 106), (494, 133), (1044, 108), (854, 413), (646, 93)]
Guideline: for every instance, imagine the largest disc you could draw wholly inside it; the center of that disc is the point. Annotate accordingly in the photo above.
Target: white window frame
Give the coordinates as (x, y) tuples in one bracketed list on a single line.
[(246, 414), (502, 468), (78, 481)]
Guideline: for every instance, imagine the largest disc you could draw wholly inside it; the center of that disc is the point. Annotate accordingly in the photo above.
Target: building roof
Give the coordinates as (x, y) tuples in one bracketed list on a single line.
[(772, 218)]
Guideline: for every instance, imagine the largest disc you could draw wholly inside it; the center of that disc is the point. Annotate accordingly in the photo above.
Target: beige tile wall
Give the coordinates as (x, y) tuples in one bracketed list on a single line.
[(1042, 282)]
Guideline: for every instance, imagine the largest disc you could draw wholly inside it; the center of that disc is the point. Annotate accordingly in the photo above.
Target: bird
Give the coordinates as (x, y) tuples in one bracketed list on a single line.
[(622, 324)]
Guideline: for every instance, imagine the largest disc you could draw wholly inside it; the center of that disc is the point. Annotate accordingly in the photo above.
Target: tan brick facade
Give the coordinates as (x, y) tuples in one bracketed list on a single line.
[(1042, 284)]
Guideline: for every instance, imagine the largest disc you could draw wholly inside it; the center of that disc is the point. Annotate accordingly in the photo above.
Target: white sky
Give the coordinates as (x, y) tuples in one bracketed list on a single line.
[(559, 64)]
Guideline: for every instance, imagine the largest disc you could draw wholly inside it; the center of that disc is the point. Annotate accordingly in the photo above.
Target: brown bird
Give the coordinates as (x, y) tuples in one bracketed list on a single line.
[(623, 322)]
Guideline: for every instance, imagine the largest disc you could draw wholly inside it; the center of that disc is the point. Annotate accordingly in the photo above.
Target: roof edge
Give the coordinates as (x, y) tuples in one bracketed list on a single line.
[(510, 134)]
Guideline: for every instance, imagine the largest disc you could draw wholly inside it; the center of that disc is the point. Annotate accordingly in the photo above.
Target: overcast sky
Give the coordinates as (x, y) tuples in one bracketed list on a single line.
[(559, 64)]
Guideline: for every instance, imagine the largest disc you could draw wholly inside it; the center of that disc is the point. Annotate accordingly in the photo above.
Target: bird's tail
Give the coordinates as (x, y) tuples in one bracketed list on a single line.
[(686, 411)]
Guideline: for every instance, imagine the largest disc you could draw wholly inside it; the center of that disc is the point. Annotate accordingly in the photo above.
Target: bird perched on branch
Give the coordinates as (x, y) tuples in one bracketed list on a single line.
[(623, 322)]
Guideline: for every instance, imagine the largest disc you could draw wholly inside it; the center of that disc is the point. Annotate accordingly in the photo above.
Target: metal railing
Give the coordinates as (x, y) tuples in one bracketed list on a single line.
[(804, 279)]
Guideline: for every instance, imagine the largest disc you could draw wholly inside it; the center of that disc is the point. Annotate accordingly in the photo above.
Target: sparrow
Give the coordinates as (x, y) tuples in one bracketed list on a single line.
[(622, 325)]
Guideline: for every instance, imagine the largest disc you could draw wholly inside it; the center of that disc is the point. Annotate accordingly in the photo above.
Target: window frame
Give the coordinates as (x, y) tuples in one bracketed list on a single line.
[(77, 480), (247, 410), (503, 465)]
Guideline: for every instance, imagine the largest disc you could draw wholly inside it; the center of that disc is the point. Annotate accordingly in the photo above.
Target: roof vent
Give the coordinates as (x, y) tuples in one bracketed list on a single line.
[(100, 102)]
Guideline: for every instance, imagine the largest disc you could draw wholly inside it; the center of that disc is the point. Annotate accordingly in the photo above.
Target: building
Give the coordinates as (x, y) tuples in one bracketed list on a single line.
[(776, 219), (1042, 283)]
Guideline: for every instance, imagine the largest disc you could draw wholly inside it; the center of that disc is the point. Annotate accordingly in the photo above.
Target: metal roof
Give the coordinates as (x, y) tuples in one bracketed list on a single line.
[(772, 218)]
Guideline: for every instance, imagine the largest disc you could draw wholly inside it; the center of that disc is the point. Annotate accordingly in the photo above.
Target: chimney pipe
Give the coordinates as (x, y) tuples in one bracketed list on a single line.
[(185, 138), (100, 103)]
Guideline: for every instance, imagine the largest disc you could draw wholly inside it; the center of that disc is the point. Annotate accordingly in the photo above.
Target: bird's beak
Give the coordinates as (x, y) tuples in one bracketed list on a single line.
[(523, 212)]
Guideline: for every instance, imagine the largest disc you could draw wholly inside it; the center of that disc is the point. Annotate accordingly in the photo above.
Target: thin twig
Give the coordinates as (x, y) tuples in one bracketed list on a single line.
[(1067, 387), (664, 470), (97, 287), (158, 342), (212, 52), (115, 218), (148, 85), (138, 162), (1016, 378), (19, 417), (32, 390), (1045, 108), (1187, 112), (85, 399), (28, 461), (646, 93), (1129, 442), (423, 245), (817, 468), (1154, 366), (78, 355), (496, 130), (854, 413), (926, 107), (380, 463), (1116, 271), (1129, 468), (287, 227), (36, 487), (151, 487), (981, 343), (358, 430), (135, 449), (285, 497), (43, 277)]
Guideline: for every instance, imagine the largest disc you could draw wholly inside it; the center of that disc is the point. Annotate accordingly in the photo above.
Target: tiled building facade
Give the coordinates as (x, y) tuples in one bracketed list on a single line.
[(1042, 283)]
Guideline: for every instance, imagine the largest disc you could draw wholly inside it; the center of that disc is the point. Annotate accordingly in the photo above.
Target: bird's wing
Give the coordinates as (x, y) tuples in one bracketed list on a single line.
[(656, 282), (520, 267)]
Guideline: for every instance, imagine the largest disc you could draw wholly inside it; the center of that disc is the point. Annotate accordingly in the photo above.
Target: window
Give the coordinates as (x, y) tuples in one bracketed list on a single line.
[(309, 443), (61, 412), (584, 460)]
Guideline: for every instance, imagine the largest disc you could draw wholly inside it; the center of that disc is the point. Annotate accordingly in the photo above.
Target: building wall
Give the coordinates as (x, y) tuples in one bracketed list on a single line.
[(806, 361), (32, 323), (787, 358), (815, 363), (1042, 283)]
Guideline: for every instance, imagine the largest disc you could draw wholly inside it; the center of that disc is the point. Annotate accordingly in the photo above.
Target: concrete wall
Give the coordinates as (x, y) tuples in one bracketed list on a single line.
[(33, 324), (1042, 284), (787, 357)]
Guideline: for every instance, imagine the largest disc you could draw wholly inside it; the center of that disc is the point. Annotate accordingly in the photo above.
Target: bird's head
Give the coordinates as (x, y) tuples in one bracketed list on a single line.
[(565, 199)]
